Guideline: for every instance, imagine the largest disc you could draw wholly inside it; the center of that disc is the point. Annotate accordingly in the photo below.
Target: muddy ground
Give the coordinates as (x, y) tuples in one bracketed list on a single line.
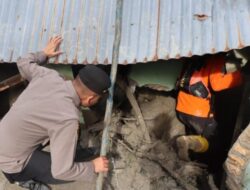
[(138, 164)]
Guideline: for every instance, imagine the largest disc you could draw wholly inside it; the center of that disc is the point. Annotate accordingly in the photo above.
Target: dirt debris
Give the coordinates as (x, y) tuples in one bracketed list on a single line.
[(137, 164)]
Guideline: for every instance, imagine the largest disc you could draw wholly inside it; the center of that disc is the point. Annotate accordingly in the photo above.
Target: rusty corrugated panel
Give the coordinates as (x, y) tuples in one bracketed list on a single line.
[(151, 29), (87, 27)]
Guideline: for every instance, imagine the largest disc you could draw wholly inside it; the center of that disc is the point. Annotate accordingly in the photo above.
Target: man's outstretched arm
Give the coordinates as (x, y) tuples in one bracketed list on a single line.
[(28, 65)]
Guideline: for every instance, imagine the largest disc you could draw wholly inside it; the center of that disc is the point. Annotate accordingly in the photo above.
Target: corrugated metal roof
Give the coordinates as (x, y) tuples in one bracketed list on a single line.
[(151, 29)]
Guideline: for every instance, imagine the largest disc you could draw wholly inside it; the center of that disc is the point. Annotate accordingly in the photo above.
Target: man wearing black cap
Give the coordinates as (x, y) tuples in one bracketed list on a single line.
[(48, 110)]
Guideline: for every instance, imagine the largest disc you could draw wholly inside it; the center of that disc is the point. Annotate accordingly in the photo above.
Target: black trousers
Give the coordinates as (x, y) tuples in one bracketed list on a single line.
[(39, 167), (206, 127)]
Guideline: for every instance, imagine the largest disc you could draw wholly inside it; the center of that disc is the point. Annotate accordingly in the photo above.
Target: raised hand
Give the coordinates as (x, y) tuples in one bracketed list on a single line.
[(51, 49)]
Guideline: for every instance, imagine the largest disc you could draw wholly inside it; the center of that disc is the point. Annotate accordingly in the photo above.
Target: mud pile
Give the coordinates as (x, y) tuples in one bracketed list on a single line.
[(139, 164)]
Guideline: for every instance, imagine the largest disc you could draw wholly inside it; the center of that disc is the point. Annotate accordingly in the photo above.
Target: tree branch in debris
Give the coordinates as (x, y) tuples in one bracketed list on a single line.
[(137, 110), (161, 163)]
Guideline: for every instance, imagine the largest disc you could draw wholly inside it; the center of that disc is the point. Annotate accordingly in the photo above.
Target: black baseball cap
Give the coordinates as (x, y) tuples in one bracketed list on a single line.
[(96, 79)]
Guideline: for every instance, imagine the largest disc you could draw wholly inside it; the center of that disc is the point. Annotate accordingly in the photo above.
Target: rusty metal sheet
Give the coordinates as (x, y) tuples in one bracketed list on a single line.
[(151, 29)]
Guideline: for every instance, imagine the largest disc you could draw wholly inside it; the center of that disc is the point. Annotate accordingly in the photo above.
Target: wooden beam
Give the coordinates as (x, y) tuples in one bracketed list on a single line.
[(12, 81)]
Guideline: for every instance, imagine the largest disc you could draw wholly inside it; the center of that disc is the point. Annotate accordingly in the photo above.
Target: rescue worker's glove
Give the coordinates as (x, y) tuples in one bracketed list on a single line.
[(234, 62)]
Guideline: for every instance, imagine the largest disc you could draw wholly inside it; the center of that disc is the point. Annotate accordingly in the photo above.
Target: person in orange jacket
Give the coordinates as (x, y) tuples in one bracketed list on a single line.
[(195, 98)]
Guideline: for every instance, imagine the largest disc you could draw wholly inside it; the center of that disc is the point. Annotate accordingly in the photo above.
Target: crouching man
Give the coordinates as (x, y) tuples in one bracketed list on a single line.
[(48, 109)]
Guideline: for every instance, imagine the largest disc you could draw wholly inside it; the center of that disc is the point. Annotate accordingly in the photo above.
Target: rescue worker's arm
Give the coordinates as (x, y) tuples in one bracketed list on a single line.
[(220, 80), (28, 65), (63, 142)]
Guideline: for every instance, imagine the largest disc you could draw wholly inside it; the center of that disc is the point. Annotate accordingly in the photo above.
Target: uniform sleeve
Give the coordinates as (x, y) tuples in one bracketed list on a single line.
[(219, 80), (63, 141), (29, 68)]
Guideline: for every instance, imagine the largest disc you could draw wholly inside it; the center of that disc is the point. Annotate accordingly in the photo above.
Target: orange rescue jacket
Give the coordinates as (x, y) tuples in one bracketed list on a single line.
[(212, 78)]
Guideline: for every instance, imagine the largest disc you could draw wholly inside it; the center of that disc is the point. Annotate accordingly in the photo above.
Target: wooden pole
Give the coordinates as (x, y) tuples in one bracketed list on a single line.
[(109, 106)]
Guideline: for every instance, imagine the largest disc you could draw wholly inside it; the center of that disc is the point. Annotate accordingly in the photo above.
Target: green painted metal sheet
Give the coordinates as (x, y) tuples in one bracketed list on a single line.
[(162, 75)]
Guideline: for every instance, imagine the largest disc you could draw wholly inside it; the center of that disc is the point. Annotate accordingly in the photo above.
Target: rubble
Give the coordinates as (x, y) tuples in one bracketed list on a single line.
[(136, 163)]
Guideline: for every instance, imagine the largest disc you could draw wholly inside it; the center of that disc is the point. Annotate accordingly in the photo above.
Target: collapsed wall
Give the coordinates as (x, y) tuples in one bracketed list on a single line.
[(236, 164)]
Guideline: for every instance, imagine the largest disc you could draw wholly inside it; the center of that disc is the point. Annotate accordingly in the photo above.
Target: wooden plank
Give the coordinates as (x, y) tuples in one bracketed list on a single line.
[(12, 81)]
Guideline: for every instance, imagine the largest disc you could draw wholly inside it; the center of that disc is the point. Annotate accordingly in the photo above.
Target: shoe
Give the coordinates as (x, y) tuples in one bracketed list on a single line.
[(33, 185), (196, 143)]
